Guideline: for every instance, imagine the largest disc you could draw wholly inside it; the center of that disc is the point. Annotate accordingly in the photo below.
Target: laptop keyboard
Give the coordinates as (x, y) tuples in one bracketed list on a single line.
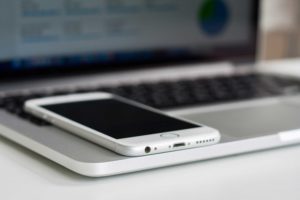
[(172, 94)]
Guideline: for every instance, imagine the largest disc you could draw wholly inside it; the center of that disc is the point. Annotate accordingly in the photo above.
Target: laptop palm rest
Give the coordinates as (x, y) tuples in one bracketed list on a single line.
[(253, 120), (248, 128)]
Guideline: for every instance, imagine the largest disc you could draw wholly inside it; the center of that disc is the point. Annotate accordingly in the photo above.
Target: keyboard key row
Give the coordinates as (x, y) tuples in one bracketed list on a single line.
[(171, 94)]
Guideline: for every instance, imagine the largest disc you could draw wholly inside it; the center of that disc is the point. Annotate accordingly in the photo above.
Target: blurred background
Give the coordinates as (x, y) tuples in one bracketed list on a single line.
[(280, 36)]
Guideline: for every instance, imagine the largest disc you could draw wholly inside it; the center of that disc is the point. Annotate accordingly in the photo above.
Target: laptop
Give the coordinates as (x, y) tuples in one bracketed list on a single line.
[(194, 59)]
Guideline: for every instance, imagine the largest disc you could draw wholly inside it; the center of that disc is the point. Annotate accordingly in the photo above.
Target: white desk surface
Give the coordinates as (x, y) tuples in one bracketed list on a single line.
[(272, 174)]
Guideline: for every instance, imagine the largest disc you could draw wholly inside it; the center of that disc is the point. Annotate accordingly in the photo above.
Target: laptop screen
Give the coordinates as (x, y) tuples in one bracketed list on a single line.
[(68, 34)]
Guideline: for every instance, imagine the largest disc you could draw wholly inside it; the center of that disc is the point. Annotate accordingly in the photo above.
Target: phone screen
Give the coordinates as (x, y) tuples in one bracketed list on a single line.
[(118, 119)]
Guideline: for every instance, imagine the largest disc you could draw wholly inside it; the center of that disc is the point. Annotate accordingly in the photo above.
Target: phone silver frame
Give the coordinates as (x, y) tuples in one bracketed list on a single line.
[(133, 146)]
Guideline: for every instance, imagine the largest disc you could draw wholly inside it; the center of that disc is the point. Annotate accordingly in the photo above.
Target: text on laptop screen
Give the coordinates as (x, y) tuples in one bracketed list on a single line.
[(45, 33)]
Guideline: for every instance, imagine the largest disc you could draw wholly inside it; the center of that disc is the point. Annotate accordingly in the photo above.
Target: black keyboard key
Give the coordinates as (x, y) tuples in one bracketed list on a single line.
[(141, 93), (181, 93)]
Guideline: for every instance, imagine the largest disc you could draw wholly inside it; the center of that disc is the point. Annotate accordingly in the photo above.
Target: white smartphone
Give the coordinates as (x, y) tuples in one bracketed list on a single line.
[(121, 125)]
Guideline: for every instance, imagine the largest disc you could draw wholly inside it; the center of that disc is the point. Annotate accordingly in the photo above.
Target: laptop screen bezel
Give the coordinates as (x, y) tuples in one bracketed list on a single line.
[(246, 54)]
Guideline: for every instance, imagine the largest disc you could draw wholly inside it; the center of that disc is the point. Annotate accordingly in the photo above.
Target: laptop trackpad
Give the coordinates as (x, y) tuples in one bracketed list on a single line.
[(252, 119)]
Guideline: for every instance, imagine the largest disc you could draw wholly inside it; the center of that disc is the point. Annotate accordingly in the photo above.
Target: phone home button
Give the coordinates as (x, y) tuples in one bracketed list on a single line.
[(169, 135)]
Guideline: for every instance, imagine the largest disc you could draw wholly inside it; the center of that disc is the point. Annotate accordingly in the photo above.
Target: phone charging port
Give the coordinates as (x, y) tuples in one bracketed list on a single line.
[(182, 144)]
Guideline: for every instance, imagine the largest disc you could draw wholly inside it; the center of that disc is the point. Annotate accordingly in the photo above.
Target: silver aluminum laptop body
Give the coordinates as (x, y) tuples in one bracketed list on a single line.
[(246, 126)]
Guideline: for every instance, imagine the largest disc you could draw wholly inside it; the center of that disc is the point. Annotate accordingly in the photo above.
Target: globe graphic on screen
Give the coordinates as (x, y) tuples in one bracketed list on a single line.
[(213, 16)]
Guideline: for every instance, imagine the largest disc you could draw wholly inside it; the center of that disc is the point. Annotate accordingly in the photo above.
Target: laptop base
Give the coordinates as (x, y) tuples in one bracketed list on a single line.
[(91, 160)]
